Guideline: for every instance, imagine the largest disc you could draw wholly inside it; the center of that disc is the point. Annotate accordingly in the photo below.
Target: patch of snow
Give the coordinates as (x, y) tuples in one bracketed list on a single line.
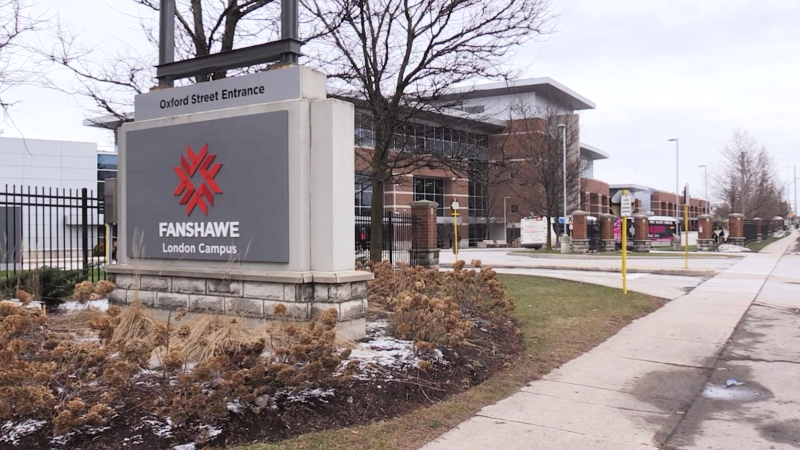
[(212, 432), (75, 306), (236, 406), (309, 395), (730, 248), (133, 440), (160, 429), (11, 432), (189, 446), (382, 351)]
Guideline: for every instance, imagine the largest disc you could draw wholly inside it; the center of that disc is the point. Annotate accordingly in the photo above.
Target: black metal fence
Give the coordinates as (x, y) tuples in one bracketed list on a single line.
[(750, 231), (396, 233), (51, 227), (594, 234)]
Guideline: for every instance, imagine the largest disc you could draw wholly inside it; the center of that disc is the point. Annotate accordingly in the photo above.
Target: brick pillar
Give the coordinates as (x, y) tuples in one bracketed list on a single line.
[(736, 229), (594, 203), (705, 233), (423, 234), (641, 234), (759, 235), (607, 232), (580, 240)]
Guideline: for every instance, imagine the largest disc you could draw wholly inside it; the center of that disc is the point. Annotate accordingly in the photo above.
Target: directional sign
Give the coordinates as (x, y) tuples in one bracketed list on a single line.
[(626, 205)]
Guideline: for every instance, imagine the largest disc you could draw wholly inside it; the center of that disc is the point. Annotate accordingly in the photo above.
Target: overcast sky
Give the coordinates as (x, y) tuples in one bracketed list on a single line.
[(657, 69)]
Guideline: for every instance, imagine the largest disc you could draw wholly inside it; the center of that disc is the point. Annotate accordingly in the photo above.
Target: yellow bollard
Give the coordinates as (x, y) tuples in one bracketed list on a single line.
[(624, 254)]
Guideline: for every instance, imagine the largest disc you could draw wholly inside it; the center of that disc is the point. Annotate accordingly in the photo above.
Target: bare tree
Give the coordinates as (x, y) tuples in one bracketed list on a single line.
[(16, 20), (745, 181), (401, 56), (536, 142), (203, 27)]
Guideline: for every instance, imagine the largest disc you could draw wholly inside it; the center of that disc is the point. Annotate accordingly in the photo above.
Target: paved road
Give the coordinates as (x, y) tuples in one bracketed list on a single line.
[(503, 257), (634, 390)]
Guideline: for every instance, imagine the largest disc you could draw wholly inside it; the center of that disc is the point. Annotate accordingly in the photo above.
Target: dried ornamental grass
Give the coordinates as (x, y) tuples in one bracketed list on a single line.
[(137, 323)]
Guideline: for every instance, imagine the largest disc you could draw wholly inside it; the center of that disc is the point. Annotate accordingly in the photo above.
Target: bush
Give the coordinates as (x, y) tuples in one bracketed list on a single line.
[(428, 321), (427, 305), (48, 284)]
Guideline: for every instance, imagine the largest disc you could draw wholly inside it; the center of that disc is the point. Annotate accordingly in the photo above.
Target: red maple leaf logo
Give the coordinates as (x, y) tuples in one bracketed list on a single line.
[(208, 187)]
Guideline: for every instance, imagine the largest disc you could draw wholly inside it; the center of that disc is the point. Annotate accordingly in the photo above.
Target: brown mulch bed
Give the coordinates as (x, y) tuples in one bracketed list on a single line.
[(488, 350)]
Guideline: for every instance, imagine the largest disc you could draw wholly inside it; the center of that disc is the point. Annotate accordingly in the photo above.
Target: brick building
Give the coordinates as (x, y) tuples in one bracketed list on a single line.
[(493, 122)]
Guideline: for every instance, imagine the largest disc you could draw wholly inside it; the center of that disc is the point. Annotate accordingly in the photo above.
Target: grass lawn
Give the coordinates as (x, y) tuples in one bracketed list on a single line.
[(559, 321), (758, 246), (692, 248)]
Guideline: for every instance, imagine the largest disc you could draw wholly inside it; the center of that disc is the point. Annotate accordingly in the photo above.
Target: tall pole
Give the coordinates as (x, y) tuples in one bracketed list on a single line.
[(166, 37), (289, 27), (505, 221), (564, 139), (795, 194)]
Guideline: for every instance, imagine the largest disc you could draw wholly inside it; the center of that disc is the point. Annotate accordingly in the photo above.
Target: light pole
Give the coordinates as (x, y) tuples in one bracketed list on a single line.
[(677, 220), (505, 221), (705, 170), (564, 243)]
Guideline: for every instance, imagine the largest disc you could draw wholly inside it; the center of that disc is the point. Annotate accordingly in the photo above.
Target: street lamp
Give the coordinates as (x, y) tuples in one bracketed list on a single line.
[(564, 243), (505, 221), (677, 220), (705, 170)]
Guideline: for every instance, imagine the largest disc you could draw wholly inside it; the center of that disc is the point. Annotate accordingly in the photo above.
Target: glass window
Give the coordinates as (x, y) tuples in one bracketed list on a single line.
[(430, 189), (587, 168), (103, 174), (107, 161), (363, 197)]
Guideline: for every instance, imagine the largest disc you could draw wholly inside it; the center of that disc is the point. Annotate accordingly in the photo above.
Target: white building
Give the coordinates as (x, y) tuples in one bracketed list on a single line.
[(41, 183)]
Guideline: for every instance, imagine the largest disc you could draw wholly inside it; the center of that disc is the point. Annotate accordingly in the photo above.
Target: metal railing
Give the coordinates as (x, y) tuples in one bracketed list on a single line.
[(51, 227), (396, 233)]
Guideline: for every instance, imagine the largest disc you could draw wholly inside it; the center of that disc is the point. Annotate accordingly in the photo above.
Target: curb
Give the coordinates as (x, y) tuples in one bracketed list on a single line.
[(674, 272)]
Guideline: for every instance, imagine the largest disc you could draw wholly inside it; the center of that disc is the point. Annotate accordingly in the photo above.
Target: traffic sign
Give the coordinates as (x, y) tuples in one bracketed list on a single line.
[(626, 204)]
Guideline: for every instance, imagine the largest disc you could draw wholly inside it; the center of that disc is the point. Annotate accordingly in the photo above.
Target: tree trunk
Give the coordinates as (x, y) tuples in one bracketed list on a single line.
[(376, 222), (549, 233)]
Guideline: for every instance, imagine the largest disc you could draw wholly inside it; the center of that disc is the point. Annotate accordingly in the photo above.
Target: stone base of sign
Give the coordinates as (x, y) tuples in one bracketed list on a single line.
[(736, 241), (676, 244), (705, 245), (580, 245), (642, 246), (245, 293), (424, 258), (608, 245)]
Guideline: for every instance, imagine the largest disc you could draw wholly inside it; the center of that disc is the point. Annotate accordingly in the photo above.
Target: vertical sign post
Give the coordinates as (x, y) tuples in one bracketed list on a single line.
[(626, 210), (454, 207)]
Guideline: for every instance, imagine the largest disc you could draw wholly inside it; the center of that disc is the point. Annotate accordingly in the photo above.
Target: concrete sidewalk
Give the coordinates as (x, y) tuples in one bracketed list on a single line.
[(632, 391)]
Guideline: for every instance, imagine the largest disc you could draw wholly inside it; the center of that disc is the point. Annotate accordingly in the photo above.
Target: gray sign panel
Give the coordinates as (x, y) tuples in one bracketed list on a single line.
[(214, 190), (220, 94)]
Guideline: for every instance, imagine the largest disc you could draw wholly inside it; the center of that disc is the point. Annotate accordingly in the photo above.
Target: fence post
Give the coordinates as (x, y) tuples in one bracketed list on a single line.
[(85, 229), (391, 239)]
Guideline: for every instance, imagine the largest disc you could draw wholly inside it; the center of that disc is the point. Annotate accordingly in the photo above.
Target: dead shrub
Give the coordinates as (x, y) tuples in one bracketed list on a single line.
[(23, 296), (427, 321), (104, 287), (476, 289), (83, 291)]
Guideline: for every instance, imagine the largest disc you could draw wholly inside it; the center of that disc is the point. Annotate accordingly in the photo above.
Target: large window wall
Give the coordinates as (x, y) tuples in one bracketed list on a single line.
[(431, 189)]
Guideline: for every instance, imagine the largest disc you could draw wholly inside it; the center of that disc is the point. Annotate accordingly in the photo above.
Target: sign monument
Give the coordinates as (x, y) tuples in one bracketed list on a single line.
[(235, 195)]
